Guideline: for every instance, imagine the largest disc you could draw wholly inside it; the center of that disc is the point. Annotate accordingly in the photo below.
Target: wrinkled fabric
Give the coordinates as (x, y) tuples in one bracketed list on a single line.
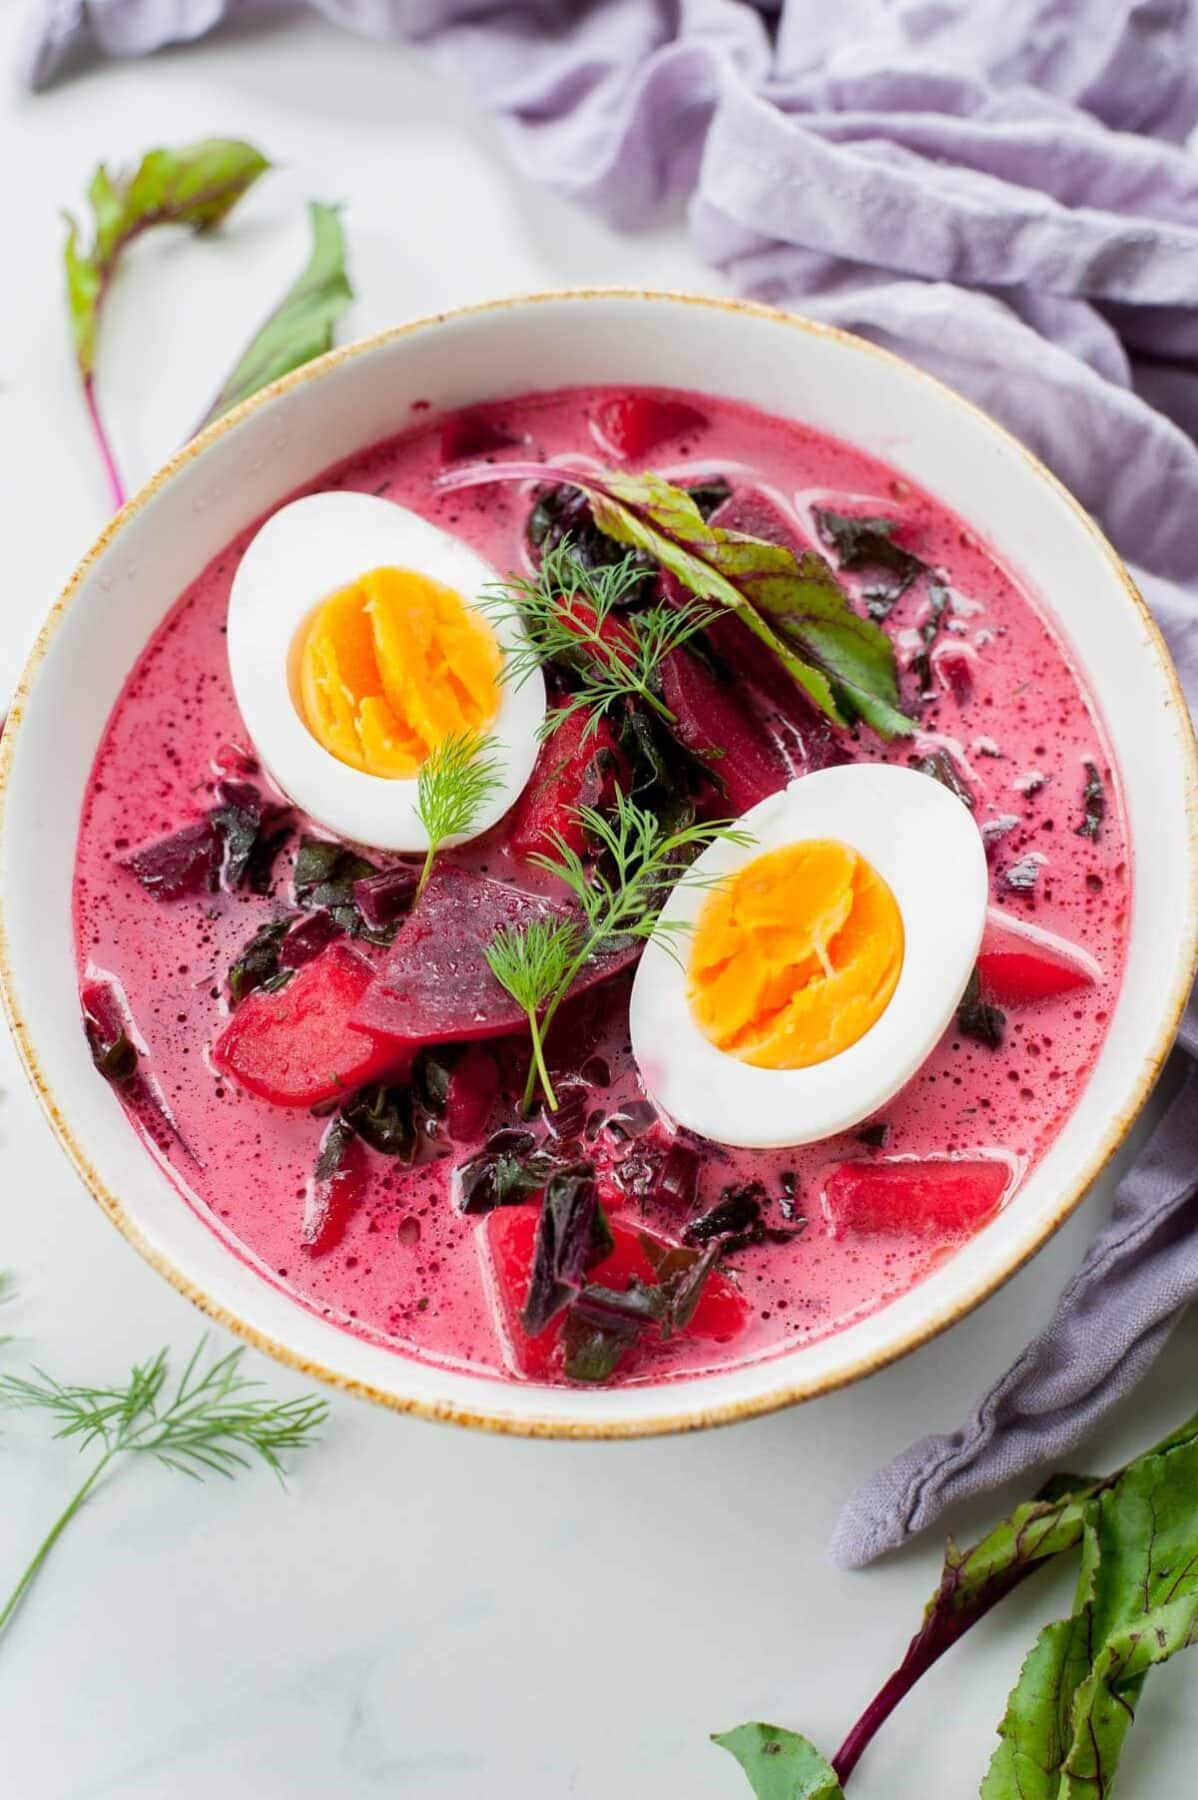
[(997, 189)]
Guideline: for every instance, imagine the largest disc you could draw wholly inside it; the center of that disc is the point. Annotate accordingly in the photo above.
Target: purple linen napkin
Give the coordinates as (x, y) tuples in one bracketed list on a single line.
[(997, 189)]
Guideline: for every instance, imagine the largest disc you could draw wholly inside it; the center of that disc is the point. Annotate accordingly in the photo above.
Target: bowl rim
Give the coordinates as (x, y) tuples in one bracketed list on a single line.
[(673, 1417)]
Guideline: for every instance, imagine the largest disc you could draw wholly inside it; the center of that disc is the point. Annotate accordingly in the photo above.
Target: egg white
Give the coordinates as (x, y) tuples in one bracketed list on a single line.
[(304, 553), (923, 842)]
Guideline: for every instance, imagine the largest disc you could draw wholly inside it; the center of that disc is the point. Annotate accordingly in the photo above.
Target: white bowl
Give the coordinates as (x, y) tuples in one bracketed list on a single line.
[(250, 461)]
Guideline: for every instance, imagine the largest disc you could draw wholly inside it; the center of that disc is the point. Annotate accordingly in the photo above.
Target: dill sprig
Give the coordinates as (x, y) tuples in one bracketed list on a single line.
[(453, 786), (210, 1422), (639, 863), (570, 614), (531, 961)]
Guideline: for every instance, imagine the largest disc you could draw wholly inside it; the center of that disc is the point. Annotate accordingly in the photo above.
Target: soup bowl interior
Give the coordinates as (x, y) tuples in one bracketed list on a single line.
[(246, 464)]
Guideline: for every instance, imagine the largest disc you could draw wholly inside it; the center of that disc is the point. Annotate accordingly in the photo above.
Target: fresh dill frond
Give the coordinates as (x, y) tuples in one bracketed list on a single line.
[(639, 862), (210, 1422), (453, 786), (569, 614), (531, 962)]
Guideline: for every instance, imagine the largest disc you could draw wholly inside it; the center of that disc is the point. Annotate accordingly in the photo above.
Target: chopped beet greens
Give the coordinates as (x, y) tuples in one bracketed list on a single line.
[(504, 1176), (327, 875), (876, 1134), (929, 631), (593, 1352), (869, 543), (253, 830), (258, 964), (736, 1214), (571, 1233), (1093, 804), (382, 1118), (976, 1018), (942, 768), (112, 1049)]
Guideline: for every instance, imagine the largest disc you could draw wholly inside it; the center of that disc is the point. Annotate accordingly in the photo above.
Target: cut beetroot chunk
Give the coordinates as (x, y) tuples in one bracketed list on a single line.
[(942, 1199), (336, 1188), (473, 1091), (473, 434), (635, 424), (575, 768), (509, 1237), (300, 1045), (436, 987), (754, 514), (714, 723), (1019, 965)]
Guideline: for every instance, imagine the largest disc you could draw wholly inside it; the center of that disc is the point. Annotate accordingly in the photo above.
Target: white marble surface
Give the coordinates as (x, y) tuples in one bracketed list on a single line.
[(425, 1612)]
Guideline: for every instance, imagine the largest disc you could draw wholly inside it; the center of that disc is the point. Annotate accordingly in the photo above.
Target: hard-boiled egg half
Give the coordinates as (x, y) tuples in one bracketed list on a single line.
[(813, 970), (358, 642)]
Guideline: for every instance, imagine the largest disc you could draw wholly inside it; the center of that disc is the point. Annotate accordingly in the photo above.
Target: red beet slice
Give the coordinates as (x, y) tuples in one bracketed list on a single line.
[(941, 1199), (509, 1238), (1019, 965), (635, 424), (754, 514), (473, 1087), (436, 987), (186, 862), (335, 1189), (575, 768), (301, 1044), (473, 434), (716, 725)]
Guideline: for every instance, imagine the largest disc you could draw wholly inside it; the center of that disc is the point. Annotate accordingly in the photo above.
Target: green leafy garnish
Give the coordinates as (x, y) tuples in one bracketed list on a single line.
[(209, 1423), (639, 860), (301, 325), (196, 186), (531, 962), (452, 789), (795, 605), (844, 663), (569, 614)]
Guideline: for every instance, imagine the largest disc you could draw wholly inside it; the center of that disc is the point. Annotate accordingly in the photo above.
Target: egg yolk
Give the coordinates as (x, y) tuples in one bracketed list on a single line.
[(390, 666), (796, 955)]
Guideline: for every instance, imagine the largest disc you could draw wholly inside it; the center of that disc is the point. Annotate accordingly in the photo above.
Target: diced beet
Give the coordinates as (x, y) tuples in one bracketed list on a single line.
[(677, 1180), (939, 1199), (435, 986), (301, 1044), (186, 862), (1019, 965), (307, 939), (575, 768), (473, 1087), (754, 514), (956, 664), (634, 424), (335, 1188), (717, 727), (473, 434), (509, 1239), (385, 896)]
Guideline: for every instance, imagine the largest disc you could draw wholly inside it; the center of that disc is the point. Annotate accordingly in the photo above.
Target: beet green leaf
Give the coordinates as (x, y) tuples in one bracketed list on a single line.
[(780, 1765), (301, 325)]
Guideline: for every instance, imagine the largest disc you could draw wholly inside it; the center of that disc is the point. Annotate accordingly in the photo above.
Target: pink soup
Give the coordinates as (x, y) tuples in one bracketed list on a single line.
[(409, 1211)]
